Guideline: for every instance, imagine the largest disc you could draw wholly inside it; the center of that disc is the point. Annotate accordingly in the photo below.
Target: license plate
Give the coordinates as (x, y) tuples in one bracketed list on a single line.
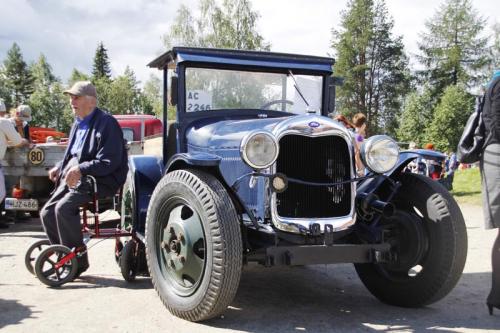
[(21, 204)]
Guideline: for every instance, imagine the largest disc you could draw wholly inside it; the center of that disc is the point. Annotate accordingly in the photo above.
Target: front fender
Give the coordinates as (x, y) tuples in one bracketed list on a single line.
[(146, 173), (192, 159), (370, 185)]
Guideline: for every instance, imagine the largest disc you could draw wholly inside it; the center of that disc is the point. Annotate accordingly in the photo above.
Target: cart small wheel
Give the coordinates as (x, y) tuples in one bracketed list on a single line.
[(128, 261), (33, 251), (46, 266), (118, 251)]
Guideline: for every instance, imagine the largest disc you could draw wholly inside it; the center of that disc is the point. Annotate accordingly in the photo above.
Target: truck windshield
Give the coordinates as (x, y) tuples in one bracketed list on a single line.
[(216, 89)]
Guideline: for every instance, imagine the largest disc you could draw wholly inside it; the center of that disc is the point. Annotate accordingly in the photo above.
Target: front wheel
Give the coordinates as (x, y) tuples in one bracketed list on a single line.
[(428, 236), (53, 269), (193, 245)]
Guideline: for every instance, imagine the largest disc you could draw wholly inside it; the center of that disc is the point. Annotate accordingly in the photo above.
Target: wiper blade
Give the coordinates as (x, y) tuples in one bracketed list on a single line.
[(296, 86)]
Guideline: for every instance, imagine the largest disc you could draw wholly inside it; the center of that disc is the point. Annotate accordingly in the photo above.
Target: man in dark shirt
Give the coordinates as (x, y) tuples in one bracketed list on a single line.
[(96, 148)]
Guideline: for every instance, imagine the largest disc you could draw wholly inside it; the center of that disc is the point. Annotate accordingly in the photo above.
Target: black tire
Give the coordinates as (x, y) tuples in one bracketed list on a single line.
[(431, 248), (118, 251), (128, 261), (33, 252), (46, 271), (196, 205)]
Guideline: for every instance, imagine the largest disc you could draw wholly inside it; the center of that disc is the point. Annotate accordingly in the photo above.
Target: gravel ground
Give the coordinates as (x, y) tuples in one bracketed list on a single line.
[(327, 298)]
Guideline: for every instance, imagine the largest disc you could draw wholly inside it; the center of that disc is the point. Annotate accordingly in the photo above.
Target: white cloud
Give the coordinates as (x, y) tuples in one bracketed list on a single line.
[(68, 32)]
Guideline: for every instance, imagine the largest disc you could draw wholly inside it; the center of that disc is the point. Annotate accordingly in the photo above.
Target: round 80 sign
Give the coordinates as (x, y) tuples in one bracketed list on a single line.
[(36, 156)]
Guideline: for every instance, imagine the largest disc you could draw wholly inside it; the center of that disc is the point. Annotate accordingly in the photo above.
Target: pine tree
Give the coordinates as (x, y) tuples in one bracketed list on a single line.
[(43, 100), (452, 49), (234, 25), (41, 71), (373, 64), (101, 68), (18, 79)]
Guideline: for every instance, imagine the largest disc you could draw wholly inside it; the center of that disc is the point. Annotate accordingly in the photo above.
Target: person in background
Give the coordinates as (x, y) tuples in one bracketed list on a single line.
[(8, 137), (20, 120), (451, 165), (359, 123), (96, 148), (490, 176)]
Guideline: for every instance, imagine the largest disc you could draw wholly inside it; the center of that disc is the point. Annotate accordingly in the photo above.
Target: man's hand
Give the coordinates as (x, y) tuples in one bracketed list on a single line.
[(53, 174), (73, 176)]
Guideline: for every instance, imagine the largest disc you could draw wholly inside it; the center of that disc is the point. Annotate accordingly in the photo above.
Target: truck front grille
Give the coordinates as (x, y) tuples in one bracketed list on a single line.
[(319, 160)]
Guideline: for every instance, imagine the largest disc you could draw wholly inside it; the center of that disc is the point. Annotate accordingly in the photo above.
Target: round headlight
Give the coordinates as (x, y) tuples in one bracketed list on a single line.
[(379, 153), (259, 149)]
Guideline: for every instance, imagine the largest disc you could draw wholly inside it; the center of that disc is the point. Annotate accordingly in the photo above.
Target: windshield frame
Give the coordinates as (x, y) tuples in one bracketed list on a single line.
[(181, 72)]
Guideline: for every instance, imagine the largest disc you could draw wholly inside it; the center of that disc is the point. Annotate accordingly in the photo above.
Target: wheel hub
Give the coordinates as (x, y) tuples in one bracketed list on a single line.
[(182, 248), (176, 246), (408, 239)]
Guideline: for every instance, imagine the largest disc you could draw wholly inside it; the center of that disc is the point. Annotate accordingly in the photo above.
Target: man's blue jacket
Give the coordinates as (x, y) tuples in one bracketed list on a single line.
[(103, 154)]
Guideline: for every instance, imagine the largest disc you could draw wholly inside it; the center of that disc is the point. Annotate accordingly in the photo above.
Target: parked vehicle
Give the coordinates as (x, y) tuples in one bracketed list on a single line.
[(430, 163), (25, 169), (254, 170)]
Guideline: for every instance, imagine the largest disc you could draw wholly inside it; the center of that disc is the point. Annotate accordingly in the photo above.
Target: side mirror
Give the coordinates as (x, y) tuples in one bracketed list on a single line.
[(173, 90)]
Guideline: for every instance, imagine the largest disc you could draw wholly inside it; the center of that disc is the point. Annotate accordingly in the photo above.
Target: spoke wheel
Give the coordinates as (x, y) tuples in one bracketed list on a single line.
[(32, 253), (193, 244), (47, 269)]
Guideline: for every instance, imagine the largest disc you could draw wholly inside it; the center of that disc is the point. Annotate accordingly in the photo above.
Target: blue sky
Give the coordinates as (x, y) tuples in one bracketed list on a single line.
[(67, 31)]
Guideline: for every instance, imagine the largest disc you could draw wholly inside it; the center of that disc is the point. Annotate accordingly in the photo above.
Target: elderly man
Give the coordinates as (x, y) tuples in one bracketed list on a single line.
[(96, 148), (20, 120)]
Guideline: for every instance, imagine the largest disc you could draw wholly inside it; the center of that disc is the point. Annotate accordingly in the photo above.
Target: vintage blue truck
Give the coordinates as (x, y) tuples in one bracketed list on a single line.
[(255, 170)]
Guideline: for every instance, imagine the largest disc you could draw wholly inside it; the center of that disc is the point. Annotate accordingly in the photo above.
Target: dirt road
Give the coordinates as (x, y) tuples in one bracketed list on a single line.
[(303, 299)]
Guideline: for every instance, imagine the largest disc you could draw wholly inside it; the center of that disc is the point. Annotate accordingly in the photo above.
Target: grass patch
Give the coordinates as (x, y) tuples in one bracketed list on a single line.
[(467, 186)]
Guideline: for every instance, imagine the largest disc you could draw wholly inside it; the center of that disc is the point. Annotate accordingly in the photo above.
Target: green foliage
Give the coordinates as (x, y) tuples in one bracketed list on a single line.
[(373, 64), (494, 50), (416, 116), (43, 101), (124, 94), (452, 50), (41, 71), (103, 89), (234, 25), (101, 68), (76, 75), (449, 118), (152, 96), (19, 81)]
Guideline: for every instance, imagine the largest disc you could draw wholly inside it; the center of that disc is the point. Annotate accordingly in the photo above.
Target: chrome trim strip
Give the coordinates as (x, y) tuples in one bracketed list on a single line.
[(314, 126)]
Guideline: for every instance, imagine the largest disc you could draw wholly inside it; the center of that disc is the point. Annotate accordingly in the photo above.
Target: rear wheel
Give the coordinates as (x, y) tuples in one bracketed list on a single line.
[(33, 252), (193, 245), (128, 260), (428, 235)]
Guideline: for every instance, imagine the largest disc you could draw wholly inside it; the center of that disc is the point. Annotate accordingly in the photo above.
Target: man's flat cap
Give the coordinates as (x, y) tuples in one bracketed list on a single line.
[(82, 88)]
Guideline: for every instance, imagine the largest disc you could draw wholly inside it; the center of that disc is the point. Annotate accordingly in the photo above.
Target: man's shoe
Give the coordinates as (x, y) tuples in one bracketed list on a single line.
[(83, 264)]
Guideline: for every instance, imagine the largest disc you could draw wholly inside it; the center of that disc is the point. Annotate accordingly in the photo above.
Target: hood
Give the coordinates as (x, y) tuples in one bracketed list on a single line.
[(227, 134)]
